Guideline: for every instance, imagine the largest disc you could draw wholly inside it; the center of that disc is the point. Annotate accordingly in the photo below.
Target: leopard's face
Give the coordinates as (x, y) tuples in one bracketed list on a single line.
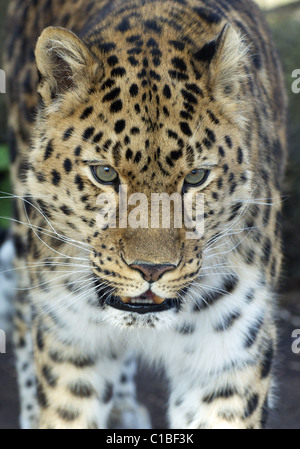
[(150, 121)]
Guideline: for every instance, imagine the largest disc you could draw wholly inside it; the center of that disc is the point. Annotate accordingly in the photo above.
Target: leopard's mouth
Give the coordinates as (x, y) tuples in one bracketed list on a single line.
[(148, 302)]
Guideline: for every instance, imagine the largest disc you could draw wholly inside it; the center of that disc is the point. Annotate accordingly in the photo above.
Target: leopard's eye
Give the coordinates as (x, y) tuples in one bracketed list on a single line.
[(105, 174), (196, 177)]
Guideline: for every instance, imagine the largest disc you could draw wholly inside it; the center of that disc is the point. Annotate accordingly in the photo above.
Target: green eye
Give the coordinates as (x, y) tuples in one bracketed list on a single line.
[(104, 174), (196, 177)]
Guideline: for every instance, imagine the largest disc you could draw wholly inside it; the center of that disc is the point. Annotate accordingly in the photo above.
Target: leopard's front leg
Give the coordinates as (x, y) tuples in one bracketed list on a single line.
[(73, 392), (224, 377), (236, 400)]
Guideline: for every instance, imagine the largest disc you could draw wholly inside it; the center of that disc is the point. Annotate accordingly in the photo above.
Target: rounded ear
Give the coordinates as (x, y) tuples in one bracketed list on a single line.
[(225, 59), (229, 61), (64, 63)]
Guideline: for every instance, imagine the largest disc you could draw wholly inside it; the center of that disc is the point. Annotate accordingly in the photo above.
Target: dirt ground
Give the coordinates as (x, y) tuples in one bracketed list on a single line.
[(152, 387)]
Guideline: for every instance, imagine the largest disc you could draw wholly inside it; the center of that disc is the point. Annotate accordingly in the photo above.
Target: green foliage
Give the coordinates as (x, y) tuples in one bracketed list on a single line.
[(5, 186), (4, 158)]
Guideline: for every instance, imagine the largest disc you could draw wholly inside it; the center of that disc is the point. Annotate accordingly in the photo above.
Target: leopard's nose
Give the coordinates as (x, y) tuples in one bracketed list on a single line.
[(152, 272)]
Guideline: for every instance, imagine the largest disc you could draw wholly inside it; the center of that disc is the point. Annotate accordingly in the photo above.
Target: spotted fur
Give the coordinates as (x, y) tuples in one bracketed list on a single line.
[(153, 89)]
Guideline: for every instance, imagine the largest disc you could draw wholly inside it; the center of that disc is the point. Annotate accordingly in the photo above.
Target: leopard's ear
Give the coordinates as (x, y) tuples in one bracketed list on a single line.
[(226, 57), (227, 68), (65, 64)]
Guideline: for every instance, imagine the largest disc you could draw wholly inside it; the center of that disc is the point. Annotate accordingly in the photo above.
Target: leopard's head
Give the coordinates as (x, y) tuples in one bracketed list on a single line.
[(134, 113)]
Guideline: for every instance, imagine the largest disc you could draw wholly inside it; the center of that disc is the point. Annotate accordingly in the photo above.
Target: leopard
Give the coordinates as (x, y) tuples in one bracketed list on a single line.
[(180, 97)]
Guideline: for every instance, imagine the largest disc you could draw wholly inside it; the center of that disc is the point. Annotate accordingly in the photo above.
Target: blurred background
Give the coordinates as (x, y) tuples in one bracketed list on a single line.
[(283, 17)]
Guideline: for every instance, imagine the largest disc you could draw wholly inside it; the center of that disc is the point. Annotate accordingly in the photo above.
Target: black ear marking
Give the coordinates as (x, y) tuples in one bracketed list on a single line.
[(206, 53), (210, 49)]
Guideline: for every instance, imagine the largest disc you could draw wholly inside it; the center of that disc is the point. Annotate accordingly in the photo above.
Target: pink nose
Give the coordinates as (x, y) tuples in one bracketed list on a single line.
[(150, 272)]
